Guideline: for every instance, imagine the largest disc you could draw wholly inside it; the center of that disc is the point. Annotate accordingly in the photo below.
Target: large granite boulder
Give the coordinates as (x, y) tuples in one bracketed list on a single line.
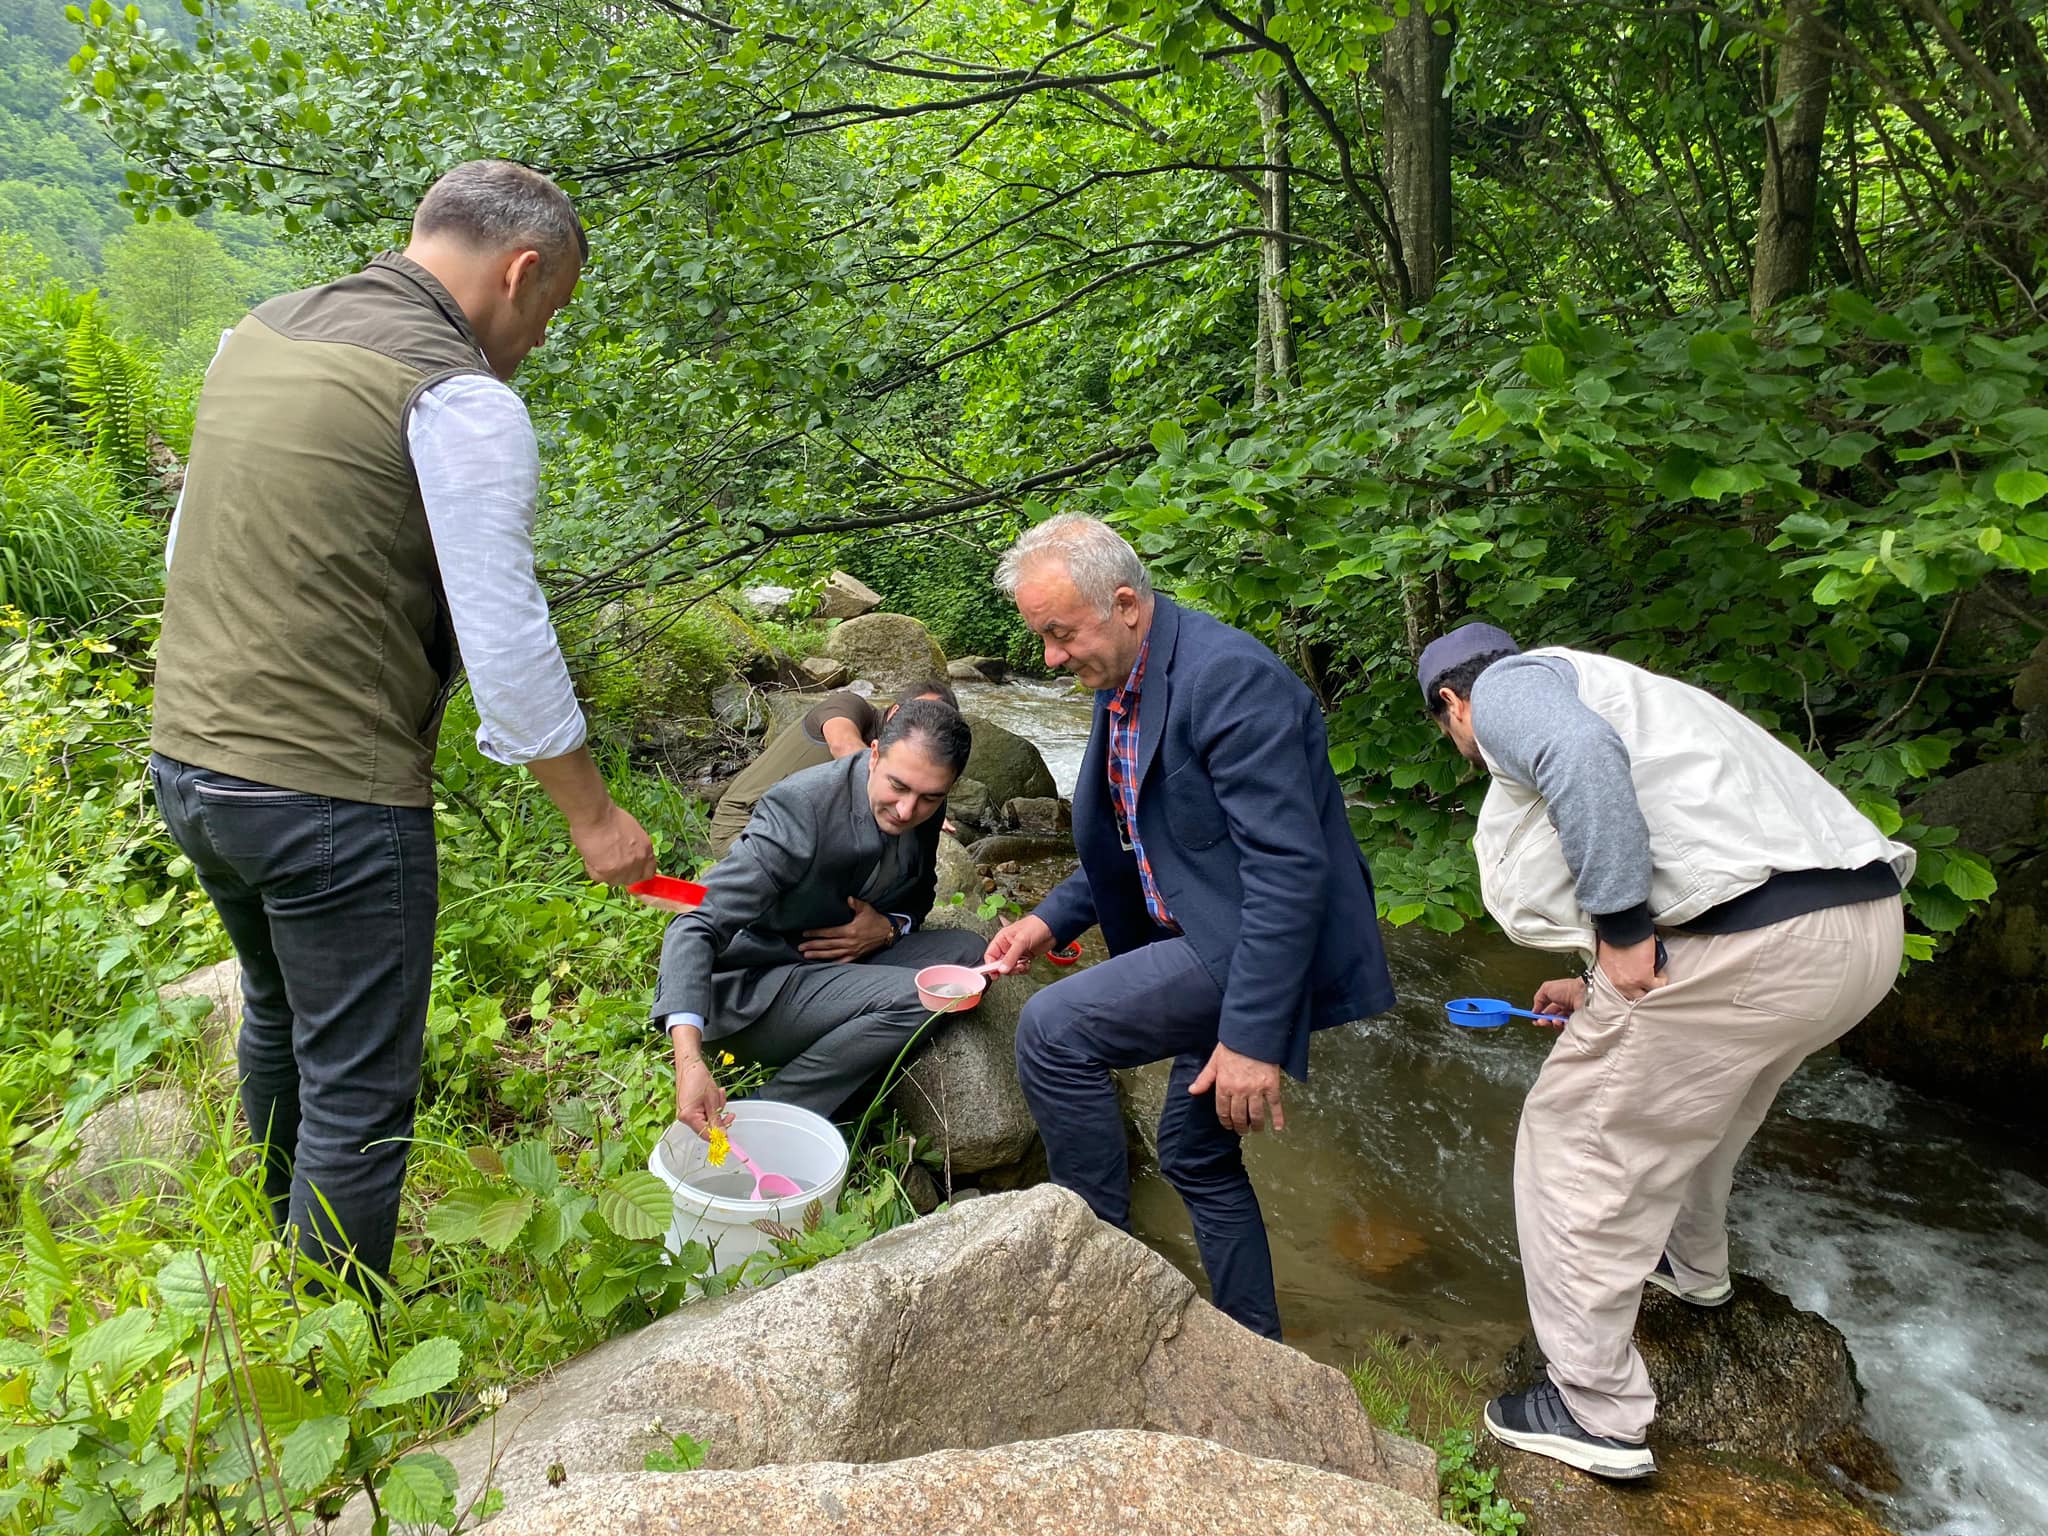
[(846, 597), (220, 985), (1695, 1493), (1967, 1024), (961, 1094), (1120, 1480), (957, 872), (825, 672), (1757, 1377), (892, 650), (769, 601), (1994, 806), (1008, 1318), (1011, 767), (138, 1146), (970, 808)]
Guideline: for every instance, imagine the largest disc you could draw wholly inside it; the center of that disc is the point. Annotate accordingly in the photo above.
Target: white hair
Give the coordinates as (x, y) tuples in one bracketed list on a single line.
[(1097, 559)]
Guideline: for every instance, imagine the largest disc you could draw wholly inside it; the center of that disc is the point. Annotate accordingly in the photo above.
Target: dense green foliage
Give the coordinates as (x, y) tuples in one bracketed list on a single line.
[(1710, 334), (1355, 359)]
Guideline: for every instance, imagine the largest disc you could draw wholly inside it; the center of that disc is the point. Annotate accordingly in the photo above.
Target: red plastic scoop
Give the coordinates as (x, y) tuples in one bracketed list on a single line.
[(668, 893)]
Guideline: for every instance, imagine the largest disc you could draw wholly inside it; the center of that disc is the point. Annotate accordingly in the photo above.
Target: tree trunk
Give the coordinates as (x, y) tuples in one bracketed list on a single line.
[(1413, 61), (1788, 214), (1276, 331)]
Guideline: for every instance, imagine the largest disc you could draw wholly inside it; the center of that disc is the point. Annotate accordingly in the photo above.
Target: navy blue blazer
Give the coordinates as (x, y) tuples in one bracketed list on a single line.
[(1243, 821)]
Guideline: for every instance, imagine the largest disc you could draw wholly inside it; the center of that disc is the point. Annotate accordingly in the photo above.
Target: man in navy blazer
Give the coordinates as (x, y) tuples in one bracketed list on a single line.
[(1217, 858)]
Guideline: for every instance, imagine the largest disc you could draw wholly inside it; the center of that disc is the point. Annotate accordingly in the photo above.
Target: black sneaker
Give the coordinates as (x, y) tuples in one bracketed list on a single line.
[(1536, 1419), (1714, 1293)]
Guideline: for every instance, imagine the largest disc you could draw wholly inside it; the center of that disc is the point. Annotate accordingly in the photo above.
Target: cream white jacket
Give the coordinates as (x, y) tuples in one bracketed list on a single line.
[(1727, 805)]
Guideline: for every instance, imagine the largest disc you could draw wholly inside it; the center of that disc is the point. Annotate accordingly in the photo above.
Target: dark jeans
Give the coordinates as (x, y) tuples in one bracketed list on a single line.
[(331, 905), (1140, 1007)]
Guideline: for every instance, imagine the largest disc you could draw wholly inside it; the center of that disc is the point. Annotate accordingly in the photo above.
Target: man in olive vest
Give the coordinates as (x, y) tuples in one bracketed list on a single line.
[(1734, 912), (358, 505)]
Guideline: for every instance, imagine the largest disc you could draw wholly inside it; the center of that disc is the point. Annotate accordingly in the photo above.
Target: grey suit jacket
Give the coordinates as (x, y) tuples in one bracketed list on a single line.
[(812, 843)]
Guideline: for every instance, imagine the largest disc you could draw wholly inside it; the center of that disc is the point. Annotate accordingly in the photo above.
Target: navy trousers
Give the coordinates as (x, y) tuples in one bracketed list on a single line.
[(330, 905), (1155, 1002)]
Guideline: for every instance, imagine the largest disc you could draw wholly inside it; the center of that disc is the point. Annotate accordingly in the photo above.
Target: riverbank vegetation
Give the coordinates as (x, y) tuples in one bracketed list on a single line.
[(1709, 334)]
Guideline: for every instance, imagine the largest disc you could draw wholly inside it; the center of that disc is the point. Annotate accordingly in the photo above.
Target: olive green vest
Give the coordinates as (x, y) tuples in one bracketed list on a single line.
[(306, 643)]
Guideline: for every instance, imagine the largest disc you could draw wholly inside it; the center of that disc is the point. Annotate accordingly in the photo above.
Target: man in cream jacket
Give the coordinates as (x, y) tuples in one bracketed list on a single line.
[(1734, 913)]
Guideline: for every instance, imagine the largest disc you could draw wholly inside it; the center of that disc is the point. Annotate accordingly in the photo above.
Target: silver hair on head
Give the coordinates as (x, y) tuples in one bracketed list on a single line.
[(1096, 557), (494, 205)]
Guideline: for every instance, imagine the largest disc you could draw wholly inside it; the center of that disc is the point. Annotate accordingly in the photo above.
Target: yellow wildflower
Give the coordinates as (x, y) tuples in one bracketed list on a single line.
[(719, 1147), (726, 1058)]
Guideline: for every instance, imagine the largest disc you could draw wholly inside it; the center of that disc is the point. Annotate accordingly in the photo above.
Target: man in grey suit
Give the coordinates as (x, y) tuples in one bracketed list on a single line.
[(770, 968)]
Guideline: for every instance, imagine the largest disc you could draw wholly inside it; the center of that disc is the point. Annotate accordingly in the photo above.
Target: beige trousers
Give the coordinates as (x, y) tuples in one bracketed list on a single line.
[(1629, 1139)]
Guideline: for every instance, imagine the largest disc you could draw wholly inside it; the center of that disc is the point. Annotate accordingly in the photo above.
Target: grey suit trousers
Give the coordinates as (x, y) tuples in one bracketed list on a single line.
[(831, 1027)]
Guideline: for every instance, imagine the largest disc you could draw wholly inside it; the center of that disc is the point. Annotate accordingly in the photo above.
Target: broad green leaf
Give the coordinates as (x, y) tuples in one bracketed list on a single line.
[(51, 1445), (1545, 364), (1940, 366), (485, 1160), (45, 1275), (420, 1490), (501, 1224), (117, 1345), (532, 1166), (455, 1216), (2022, 487), (185, 1286), (310, 1453), (275, 1393), (1847, 448), (637, 1205), (1969, 876), (427, 1367), (1713, 483), (1713, 352)]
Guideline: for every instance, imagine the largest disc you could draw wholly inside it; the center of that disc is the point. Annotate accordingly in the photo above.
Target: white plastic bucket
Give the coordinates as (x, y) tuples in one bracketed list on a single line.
[(711, 1204)]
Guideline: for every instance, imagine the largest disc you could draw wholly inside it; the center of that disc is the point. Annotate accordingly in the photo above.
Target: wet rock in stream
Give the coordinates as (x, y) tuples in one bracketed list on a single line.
[(1758, 1430)]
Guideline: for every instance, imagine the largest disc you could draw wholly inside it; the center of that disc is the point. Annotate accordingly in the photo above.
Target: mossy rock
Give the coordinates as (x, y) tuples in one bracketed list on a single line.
[(648, 659)]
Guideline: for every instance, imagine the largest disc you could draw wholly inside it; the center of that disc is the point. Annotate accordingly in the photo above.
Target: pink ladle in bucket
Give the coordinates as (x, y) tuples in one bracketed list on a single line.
[(767, 1186), (954, 988)]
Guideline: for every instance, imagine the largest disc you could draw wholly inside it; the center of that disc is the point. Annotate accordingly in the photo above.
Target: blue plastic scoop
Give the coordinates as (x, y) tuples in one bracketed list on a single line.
[(1491, 1013)]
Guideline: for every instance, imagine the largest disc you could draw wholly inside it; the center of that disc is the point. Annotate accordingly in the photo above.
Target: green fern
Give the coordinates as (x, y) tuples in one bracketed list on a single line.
[(24, 425), (114, 391)]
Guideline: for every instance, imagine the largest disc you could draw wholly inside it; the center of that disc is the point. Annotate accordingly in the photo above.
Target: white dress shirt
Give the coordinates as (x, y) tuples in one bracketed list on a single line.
[(478, 464)]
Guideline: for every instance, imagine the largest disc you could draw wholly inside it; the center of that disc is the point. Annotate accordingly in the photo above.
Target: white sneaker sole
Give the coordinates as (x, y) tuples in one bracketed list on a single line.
[(1600, 1460), (1707, 1296)]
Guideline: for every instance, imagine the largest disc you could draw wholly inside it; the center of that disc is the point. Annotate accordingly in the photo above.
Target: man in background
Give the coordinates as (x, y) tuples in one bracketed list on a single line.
[(358, 507), (1735, 912), (840, 725), (1217, 857), (748, 969)]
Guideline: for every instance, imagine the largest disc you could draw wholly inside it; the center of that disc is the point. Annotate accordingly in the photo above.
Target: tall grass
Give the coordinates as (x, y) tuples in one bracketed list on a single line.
[(70, 548)]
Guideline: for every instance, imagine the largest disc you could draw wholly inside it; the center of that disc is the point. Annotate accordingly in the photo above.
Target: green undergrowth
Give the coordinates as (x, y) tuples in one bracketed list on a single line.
[(1409, 1388), (166, 1364)]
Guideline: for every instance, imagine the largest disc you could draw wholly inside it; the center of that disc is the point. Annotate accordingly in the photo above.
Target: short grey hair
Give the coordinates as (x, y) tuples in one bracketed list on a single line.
[(1097, 559), (497, 205)]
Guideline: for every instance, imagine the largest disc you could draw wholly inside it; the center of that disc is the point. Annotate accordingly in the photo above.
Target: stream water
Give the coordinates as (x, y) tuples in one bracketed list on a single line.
[(1918, 1230)]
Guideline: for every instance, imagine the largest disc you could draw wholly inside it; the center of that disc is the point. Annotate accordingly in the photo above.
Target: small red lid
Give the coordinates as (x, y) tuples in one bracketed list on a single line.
[(669, 893)]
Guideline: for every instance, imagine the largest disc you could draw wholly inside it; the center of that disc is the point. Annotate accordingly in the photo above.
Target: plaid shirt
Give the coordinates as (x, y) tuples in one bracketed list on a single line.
[(1123, 781)]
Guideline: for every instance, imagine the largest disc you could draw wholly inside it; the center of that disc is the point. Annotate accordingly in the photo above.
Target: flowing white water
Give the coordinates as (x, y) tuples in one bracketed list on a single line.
[(1918, 1230)]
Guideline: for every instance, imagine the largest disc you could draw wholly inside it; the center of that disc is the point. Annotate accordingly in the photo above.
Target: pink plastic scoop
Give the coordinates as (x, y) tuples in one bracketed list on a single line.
[(767, 1186), (954, 988)]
